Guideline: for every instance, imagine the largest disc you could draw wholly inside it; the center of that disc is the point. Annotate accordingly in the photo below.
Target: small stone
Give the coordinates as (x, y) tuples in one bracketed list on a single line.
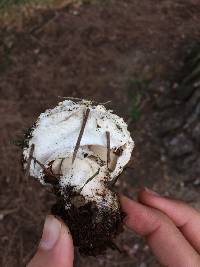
[(196, 182), (196, 166), (163, 158), (196, 84), (196, 133), (179, 146), (171, 124), (75, 13), (131, 250), (175, 85), (1, 217), (146, 248), (136, 247), (36, 51)]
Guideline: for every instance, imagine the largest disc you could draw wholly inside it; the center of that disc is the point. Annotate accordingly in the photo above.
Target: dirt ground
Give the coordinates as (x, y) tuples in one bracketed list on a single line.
[(108, 50)]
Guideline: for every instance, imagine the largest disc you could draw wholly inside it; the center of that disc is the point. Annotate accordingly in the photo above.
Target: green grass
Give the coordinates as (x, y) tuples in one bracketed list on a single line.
[(136, 94), (7, 4), (12, 12), (23, 142), (135, 109), (4, 4)]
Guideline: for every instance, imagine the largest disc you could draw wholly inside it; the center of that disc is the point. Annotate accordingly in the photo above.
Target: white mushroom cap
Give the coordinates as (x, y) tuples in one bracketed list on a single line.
[(55, 136)]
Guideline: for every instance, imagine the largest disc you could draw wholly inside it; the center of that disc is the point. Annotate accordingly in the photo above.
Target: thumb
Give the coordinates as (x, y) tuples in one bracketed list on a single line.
[(56, 246)]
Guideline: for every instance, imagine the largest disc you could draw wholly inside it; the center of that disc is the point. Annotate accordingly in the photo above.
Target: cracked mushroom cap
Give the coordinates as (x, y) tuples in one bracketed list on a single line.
[(82, 145)]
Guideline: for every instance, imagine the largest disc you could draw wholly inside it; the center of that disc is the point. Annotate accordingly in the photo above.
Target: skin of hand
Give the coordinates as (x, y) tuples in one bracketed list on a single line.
[(56, 246), (171, 229)]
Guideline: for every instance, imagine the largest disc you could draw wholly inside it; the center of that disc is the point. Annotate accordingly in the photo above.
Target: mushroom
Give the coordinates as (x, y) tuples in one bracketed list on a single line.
[(80, 149)]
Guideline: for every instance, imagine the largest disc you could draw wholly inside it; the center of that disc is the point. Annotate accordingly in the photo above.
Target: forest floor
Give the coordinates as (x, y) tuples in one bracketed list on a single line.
[(130, 52)]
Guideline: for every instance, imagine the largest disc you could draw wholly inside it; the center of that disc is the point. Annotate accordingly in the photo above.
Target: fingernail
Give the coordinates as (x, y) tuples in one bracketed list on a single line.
[(151, 192), (51, 233)]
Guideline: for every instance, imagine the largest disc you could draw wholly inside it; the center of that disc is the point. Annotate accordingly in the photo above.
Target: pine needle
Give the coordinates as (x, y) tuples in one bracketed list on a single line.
[(90, 179), (29, 160), (108, 148), (85, 118)]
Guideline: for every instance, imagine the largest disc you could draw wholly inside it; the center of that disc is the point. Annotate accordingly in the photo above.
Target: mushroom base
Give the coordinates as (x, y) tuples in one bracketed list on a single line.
[(93, 228)]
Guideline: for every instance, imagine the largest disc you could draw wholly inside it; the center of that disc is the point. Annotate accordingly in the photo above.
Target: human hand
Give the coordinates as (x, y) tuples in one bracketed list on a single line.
[(56, 246), (171, 228)]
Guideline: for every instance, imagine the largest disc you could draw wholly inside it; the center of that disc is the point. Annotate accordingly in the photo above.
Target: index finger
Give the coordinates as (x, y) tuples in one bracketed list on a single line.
[(163, 237), (184, 216)]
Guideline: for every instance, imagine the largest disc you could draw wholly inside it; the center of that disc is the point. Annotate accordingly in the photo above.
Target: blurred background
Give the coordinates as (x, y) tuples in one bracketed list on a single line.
[(144, 57)]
